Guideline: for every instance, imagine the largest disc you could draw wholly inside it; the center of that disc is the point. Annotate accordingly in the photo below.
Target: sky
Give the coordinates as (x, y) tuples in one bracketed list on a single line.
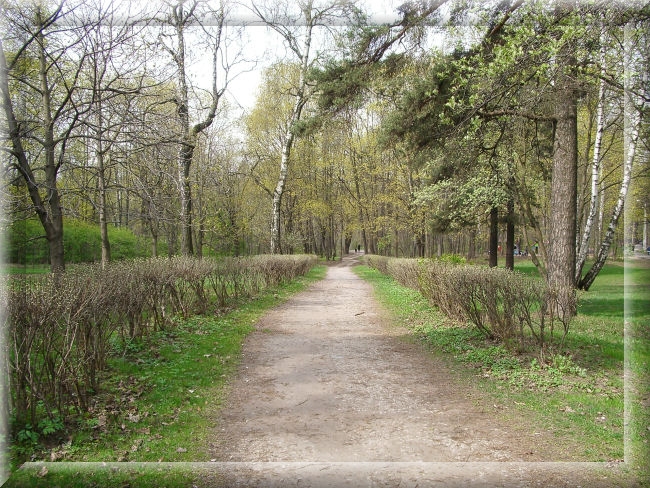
[(265, 47)]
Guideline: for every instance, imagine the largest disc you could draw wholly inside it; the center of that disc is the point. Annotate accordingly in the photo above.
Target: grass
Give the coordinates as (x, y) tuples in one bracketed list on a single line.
[(577, 391), (25, 269), (122, 475), (162, 396), (637, 362)]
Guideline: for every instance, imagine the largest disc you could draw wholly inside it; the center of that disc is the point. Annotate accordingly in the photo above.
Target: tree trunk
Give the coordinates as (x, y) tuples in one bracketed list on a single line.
[(301, 100), (54, 232), (154, 244), (362, 218), (52, 220), (49, 213), (276, 208), (494, 238), (184, 165), (180, 19), (303, 53), (471, 251), (595, 173), (440, 241), (563, 205), (631, 137), (101, 176), (538, 251), (172, 238), (510, 235), (419, 245), (199, 240), (103, 224), (590, 276), (645, 226)]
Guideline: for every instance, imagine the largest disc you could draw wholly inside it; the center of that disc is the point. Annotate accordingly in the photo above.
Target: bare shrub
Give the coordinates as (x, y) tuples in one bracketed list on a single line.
[(58, 334), (500, 303), (560, 306), (438, 283), (277, 269), (380, 263), (188, 288), (405, 271), (60, 327)]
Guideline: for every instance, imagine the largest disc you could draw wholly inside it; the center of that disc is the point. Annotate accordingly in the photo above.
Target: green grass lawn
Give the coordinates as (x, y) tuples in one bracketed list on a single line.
[(578, 390), (637, 362), (113, 475)]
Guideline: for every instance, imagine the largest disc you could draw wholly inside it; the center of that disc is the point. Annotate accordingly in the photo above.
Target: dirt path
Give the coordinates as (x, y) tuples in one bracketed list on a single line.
[(326, 379)]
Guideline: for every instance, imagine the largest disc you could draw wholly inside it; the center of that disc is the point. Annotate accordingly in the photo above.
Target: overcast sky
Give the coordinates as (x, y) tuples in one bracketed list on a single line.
[(264, 46)]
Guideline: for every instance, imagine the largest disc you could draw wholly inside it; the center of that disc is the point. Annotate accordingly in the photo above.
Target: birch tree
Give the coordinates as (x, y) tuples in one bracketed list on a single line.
[(595, 167), (182, 16), (297, 30), (633, 107)]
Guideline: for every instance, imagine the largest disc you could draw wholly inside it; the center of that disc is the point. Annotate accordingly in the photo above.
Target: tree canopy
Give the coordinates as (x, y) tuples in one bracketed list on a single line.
[(476, 128)]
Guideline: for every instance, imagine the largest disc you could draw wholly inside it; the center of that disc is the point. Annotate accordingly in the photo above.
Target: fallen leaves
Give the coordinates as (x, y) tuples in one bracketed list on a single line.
[(137, 445)]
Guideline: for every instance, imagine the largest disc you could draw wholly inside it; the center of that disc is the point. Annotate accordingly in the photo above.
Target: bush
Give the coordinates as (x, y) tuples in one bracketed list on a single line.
[(26, 243), (380, 263), (405, 271), (502, 304), (58, 329), (61, 327)]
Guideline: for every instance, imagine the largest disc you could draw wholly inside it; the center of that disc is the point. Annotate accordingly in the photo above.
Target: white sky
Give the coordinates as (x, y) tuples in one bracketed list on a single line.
[(265, 47)]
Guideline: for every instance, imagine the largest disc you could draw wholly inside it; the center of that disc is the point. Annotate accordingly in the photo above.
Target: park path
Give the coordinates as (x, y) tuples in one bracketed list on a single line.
[(325, 380)]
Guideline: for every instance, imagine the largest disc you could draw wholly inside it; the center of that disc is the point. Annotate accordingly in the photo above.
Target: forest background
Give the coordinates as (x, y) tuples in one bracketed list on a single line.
[(416, 138)]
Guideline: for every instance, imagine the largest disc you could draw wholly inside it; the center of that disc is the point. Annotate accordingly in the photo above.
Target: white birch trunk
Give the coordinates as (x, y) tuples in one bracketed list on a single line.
[(301, 100), (595, 171), (631, 137), (189, 133)]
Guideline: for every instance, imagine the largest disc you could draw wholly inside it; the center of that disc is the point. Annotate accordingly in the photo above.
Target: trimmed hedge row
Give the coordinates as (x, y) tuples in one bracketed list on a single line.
[(60, 327), (502, 304)]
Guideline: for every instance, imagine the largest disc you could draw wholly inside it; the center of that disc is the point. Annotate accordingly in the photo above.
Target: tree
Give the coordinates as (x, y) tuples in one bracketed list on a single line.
[(296, 30), (112, 93), (562, 235), (146, 169), (633, 108), (181, 17), (583, 245), (41, 71), (266, 127), (223, 197), (528, 67)]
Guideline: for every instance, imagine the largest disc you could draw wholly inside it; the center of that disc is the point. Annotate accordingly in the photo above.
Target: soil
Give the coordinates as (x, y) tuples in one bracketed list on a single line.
[(330, 393)]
